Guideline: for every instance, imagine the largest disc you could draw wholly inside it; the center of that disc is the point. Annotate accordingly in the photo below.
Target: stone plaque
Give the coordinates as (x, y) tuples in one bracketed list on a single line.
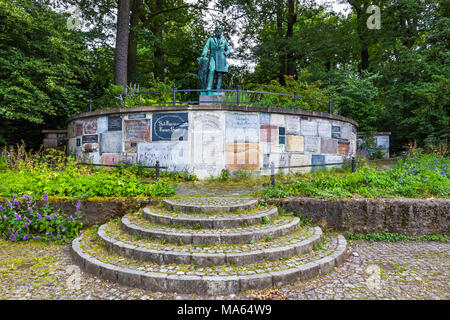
[(72, 130), (136, 130), (79, 129), (111, 142), (312, 144), (115, 123), (324, 129), (109, 158), (343, 148), (170, 127), (93, 138), (90, 147), (336, 132), (383, 141), (264, 118), (137, 116), (268, 133), (309, 128), (294, 143), (174, 155), (90, 126), (328, 146), (279, 160), (242, 128), (300, 160), (207, 143), (242, 156), (277, 120), (317, 159), (130, 147), (293, 125), (102, 124), (345, 132), (333, 159)]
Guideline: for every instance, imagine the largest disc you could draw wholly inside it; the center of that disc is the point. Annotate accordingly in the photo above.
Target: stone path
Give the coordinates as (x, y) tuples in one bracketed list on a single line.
[(410, 270), (201, 189)]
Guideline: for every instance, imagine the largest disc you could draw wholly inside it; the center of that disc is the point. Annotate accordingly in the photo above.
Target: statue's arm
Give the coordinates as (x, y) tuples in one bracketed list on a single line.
[(206, 48), (227, 49)]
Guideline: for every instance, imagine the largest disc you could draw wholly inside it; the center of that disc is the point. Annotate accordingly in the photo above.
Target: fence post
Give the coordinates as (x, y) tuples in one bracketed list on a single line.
[(174, 96), (330, 107), (157, 170), (353, 165), (295, 100), (272, 173), (90, 105), (237, 95)]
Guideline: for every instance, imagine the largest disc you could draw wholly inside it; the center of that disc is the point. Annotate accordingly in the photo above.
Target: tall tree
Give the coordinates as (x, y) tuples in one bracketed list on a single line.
[(121, 54)]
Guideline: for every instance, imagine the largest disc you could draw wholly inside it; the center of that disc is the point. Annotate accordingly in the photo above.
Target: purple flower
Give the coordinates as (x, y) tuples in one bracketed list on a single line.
[(46, 199), (1, 208), (36, 238), (14, 197), (28, 220), (26, 225), (78, 206), (54, 216), (27, 197), (16, 203), (25, 237), (18, 217), (30, 210), (71, 219), (48, 218), (10, 204), (38, 216)]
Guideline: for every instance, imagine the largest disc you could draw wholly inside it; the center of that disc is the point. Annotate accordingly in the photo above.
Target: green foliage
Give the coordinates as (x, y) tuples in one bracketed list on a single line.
[(419, 176), (21, 221), (394, 237), (57, 175)]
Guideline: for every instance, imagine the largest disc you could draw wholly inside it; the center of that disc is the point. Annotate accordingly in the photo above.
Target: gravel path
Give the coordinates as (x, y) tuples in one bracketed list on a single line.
[(402, 270)]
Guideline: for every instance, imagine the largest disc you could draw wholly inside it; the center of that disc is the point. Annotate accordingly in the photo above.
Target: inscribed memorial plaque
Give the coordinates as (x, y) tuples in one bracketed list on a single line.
[(264, 118), (79, 129), (317, 159), (293, 125), (383, 141), (90, 139), (336, 132), (137, 116), (242, 128), (343, 146), (111, 142), (312, 144), (115, 123), (328, 146), (268, 133), (90, 126), (294, 143), (245, 156), (137, 130), (102, 124), (277, 120), (324, 130), (300, 160), (170, 127), (174, 155), (308, 128)]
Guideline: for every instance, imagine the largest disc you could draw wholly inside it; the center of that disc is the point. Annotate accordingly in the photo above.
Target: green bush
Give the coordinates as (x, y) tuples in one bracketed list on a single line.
[(419, 176), (21, 221)]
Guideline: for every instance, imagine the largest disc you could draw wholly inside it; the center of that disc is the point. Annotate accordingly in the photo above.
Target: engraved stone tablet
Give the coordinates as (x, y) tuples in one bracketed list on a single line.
[(137, 130), (114, 123), (312, 144), (170, 127)]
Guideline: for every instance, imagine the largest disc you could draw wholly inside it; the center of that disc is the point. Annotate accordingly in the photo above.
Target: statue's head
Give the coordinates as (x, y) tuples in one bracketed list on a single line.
[(218, 31)]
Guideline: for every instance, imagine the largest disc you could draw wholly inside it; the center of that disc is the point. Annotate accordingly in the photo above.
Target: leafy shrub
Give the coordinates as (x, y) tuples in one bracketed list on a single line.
[(394, 237), (418, 176), (23, 221)]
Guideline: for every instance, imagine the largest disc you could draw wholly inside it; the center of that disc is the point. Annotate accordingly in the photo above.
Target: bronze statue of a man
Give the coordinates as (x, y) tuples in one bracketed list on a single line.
[(218, 50)]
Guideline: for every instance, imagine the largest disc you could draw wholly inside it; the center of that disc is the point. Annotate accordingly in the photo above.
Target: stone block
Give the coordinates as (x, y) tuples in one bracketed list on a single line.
[(137, 130), (264, 118), (170, 126), (293, 125), (277, 120), (111, 142), (317, 159), (102, 124), (309, 128), (174, 155), (294, 143), (244, 156), (329, 146), (268, 133), (90, 126), (324, 130), (109, 158), (312, 144), (242, 128), (300, 160)]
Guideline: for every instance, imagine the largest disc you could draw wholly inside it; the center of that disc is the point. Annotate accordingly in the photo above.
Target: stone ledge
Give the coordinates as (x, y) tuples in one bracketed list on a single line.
[(193, 237), (411, 217), (209, 285), (212, 222), (210, 259), (177, 205)]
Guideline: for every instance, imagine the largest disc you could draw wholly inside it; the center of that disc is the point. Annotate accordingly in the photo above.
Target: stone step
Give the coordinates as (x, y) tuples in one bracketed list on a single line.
[(139, 226), (94, 257), (124, 244), (209, 204), (210, 221)]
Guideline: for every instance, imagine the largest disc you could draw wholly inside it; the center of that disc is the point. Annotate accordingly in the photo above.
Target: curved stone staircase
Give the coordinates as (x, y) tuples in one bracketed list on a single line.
[(208, 246)]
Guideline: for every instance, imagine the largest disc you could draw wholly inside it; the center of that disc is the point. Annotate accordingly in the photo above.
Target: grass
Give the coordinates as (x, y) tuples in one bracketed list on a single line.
[(394, 237)]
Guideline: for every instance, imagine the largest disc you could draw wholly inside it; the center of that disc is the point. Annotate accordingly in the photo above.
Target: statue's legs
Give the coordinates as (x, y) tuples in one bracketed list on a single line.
[(219, 80), (210, 79)]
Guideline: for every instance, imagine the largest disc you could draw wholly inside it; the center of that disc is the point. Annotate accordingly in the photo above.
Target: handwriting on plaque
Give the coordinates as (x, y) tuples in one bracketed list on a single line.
[(170, 127), (137, 130)]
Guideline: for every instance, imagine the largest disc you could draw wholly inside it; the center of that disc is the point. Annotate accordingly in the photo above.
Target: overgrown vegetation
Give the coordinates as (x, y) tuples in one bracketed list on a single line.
[(57, 175), (21, 221), (394, 237), (418, 176)]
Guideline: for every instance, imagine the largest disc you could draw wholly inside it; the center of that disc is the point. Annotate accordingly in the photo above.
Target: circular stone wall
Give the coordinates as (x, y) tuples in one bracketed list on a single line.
[(207, 139)]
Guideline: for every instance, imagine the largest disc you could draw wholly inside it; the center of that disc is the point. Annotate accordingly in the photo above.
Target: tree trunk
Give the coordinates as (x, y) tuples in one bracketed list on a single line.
[(291, 20), (159, 51), (281, 54), (121, 54), (132, 44)]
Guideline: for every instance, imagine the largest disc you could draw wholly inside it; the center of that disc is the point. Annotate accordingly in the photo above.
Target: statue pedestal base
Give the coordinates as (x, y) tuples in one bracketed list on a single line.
[(214, 98)]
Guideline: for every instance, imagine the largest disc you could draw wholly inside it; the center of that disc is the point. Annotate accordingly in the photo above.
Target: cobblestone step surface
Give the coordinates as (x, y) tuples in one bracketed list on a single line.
[(299, 242), (90, 253), (210, 221), (209, 204), (136, 225)]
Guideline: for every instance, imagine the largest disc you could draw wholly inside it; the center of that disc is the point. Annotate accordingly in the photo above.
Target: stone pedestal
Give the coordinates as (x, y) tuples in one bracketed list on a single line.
[(211, 98)]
